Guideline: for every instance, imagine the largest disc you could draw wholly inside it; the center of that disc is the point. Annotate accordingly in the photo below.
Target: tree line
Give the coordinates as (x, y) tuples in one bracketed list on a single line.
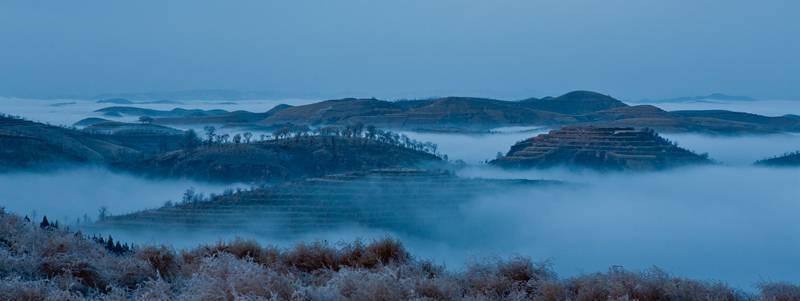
[(357, 130)]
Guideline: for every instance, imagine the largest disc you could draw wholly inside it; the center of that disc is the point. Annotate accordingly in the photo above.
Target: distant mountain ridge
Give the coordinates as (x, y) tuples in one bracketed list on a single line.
[(471, 114), (703, 98)]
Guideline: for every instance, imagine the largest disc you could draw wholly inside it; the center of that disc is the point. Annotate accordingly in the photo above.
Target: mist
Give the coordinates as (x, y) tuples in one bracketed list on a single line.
[(68, 193), (68, 111), (477, 148), (731, 221), (733, 224)]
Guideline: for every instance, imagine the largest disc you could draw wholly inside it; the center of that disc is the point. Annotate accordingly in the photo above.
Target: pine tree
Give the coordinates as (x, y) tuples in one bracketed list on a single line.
[(45, 224)]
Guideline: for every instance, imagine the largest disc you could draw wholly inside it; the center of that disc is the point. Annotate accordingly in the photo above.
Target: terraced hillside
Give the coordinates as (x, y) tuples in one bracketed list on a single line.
[(281, 159), (607, 148), (393, 199)]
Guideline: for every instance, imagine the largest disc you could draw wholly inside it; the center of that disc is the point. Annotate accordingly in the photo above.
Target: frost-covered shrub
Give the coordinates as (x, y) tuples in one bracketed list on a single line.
[(225, 277), (53, 264)]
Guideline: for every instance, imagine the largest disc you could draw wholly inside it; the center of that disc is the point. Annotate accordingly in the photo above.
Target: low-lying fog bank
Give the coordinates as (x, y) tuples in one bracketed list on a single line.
[(68, 193), (738, 150), (476, 148), (736, 224)]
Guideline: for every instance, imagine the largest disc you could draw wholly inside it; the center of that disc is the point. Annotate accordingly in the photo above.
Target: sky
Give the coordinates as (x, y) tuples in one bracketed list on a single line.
[(508, 49)]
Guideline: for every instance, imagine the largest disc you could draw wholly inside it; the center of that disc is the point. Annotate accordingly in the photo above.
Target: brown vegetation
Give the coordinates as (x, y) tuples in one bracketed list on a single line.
[(53, 264)]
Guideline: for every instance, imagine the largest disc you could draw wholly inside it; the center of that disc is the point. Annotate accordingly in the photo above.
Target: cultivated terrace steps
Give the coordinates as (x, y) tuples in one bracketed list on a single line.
[(392, 199), (614, 148)]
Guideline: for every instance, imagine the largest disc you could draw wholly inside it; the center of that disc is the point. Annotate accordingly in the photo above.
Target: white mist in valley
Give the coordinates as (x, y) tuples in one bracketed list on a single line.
[(734, 224), (70, 193)]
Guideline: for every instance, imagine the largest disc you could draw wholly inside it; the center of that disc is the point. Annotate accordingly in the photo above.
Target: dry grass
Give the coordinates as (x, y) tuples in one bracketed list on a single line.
[(37, 264)]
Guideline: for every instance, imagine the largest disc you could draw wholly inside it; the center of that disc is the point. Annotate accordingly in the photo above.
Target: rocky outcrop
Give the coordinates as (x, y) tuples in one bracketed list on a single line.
[(605, 148)]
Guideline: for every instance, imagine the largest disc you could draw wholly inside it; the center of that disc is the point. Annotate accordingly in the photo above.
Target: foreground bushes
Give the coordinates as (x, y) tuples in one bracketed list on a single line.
[(53, 264)]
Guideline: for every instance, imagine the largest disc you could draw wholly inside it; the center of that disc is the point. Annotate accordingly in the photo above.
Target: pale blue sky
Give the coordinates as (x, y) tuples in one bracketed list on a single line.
[(503, 48)]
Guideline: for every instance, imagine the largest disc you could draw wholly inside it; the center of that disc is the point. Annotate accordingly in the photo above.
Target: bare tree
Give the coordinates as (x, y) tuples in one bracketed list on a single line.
[(247, 137), (102, 213), (211, 132)]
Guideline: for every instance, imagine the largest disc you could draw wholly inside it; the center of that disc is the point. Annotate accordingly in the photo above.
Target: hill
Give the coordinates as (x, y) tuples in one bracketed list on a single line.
[(471, 114), (404, 200), (785, 160), (604, 148), (27, 144), (177, 112), (574, 103), (280, 159)]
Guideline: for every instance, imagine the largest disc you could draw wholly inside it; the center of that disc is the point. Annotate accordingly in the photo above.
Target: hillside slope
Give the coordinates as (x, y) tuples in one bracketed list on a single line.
[(403, 200), (280, 160), (603, 148)]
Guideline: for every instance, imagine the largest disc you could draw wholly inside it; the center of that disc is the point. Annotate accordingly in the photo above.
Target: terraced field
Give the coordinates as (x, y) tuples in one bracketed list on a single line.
[(599, 147), (393, 199)]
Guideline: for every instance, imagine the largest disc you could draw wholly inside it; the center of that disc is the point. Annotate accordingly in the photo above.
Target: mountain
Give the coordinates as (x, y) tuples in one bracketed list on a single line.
[(705, 98), (177, 112), (470, 114), (439, 113), (602, 148)]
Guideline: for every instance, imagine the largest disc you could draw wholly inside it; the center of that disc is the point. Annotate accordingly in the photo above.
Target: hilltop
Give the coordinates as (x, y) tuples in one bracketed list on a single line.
[(280, 159), (604, 148)]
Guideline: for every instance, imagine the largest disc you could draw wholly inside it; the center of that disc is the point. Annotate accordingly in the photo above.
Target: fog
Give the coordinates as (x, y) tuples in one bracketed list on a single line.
[(476, 148), (69, 193), (734, 224), (68, 111), (731, 222)]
